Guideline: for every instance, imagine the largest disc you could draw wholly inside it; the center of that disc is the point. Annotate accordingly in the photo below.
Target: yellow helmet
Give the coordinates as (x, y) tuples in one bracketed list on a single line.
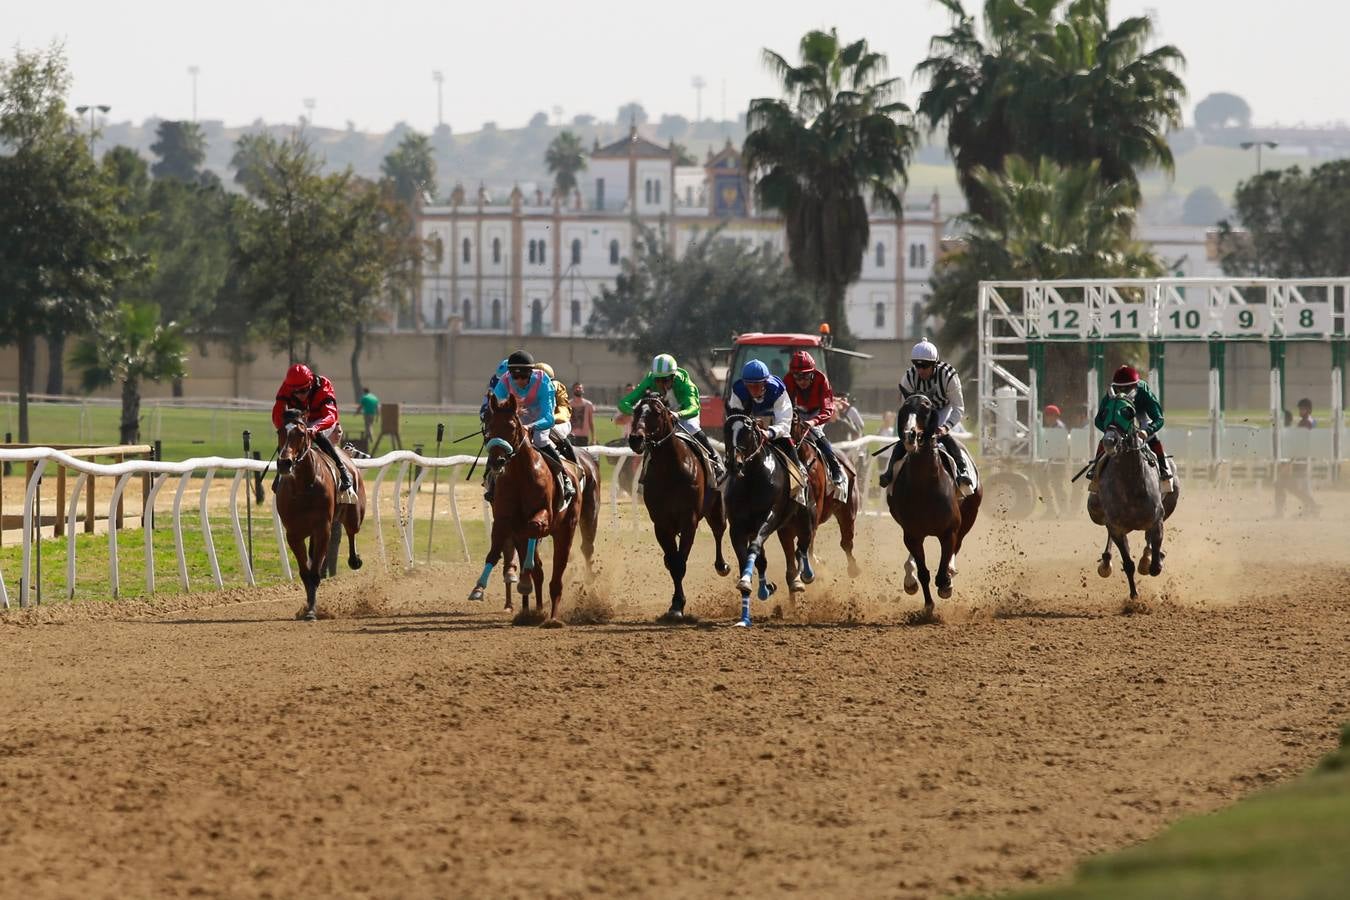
[(546, 369)]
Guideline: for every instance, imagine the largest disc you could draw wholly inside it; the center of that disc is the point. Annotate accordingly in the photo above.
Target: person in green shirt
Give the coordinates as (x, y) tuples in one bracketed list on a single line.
[(370, 405), (664, 378), (1129, 390)]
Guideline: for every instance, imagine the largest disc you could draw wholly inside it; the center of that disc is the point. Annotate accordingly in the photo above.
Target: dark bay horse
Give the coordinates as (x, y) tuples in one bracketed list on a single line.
[(759, 501), (677, 491), (924, 500), (525, 509), (1129, 498), (306, 498), (828, 504)]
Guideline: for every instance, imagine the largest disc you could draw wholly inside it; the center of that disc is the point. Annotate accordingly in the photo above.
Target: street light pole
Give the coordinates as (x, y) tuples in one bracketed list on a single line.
[(1247, 145), (91, 110), (194, 71), (439, 77)]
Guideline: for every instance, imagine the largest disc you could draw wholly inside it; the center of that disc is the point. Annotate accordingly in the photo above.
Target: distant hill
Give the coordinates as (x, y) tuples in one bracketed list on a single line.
[(503, 158)]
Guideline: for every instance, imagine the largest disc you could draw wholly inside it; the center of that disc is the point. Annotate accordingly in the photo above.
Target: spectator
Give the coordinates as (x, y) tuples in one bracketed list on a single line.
[(370, 406), (1305, 416), (1051, 418), (1053, 474), (887, 424), (583, 417), (625, 422), (847, 424)]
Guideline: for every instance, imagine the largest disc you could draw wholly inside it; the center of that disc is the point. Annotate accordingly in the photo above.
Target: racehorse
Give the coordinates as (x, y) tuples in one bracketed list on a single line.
[(1129, 498), (677, 490), (759, 501), (306, 498), (924, 500), (845, 511), (526, 508)]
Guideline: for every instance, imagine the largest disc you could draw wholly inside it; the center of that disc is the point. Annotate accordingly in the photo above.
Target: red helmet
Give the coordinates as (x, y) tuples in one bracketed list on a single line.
[(1051, 409), (298, 378), (1126, 376), (801, 363)]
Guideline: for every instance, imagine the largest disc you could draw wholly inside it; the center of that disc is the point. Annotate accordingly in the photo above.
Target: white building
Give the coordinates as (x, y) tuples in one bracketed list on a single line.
[(533, 265)]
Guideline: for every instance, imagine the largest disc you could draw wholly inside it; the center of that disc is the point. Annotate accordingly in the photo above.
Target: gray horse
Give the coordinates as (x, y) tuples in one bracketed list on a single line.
[(1129, 498)]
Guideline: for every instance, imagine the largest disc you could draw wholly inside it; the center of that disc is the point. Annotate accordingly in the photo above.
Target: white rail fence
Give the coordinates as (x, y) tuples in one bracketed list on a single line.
[(404, 503)]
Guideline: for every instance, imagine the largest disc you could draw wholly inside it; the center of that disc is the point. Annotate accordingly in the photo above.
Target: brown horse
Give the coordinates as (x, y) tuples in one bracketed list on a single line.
[(924, 499), (845, 511), (677, 491), (306, 498), (525, 509)]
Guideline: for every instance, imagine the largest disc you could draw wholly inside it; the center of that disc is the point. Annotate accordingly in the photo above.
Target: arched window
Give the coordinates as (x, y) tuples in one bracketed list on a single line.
[(881, 254), (496, 313), (468, 313), (917, 315), (438, 250), (496, 250), (613, 253), (536, 317), (576, 251), (647, 193), (656, 190), (541, 252), (532, 243), (913, 256), (468, 249), (768, 248), (576, 313), (881, 314)]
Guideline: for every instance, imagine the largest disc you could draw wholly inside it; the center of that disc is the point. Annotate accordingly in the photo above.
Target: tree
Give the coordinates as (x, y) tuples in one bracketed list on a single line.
[(130, 346), (411, 168), (837, 136), (689, 305), (181, 149), (1297, 224), (1051, 79), (1046, 221), (672, 127), (682, 155), (538, 120), (291, 248), (583, 120), (62, 250), (631, 113), (1203, 207), (248, 160), (1222, 110), (566, 156)]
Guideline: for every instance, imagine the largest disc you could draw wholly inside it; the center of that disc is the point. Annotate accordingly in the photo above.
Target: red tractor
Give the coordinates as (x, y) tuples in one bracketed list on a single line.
[(774, 350)]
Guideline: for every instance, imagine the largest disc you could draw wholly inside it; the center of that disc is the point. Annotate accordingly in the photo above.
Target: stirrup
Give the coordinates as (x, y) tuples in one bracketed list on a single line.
[(346, 496)]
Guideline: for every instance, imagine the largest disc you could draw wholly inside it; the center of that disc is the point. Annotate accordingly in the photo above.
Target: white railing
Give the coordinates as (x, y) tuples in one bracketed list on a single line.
[(404, 518)]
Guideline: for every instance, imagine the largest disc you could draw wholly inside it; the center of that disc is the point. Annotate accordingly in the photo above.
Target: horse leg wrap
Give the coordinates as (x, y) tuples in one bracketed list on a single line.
[(804, 559), (749, 571), (529, 554), (487, 573), (745, 611)]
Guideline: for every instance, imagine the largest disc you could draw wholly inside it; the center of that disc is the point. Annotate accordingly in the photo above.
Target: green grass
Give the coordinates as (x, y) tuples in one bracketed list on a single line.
[(1290, 841), (203, 432), (93, 578)]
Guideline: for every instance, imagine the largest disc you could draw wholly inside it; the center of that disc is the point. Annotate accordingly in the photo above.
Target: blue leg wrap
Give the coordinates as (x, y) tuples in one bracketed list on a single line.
[(749, 570), (529, 554), (745, 610), (487, 573), (805, 559)]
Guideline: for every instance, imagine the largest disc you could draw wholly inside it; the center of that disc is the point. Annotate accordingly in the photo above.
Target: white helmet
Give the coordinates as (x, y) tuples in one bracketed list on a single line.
[(663, 365), (924, 351)]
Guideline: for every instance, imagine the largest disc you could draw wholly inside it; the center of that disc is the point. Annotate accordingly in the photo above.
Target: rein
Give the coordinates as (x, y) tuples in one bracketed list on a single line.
[(749, 422), (648, 445)]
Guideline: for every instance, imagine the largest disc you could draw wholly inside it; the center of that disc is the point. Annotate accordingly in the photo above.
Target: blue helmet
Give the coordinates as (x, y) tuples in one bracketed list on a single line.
[(754, 370)]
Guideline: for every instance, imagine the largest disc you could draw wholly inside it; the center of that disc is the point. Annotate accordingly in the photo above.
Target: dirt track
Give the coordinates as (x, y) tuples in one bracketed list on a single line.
[(415, 745)]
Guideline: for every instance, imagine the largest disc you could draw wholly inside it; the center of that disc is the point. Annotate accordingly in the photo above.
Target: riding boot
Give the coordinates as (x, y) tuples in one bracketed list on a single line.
[(831, 460), (566, 449), (897, 450), (346, 494), (719, 470), (965, 485), (551, 452)]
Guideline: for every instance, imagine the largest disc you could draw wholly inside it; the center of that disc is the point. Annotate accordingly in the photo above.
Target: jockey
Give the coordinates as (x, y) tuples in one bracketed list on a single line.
[(763, 395), (304, 390), (534, 392), (562, 413), (664, 378), (1148, 418), (941, 383), (810, 393)]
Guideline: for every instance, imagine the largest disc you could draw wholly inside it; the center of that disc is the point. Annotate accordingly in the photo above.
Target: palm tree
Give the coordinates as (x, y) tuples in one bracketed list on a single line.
[(564, 158), (130, 346), (1054, 79), (411, 167), (1045, 221), (837, 134)]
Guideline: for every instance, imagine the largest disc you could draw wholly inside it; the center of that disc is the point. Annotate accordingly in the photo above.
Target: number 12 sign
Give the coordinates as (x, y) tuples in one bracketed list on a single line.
[(1064, 320)]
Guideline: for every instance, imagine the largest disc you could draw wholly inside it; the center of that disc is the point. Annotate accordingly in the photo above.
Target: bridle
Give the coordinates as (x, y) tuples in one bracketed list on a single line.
[(651, 402), (507, 449), (914, 433), (737, 423), (290, 428)]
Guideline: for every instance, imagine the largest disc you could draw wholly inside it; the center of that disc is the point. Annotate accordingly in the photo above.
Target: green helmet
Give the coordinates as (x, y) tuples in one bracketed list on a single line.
[(663, 366)]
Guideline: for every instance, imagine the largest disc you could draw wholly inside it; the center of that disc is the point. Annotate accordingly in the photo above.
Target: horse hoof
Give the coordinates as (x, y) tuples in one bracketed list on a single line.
[(945, 592), (354, 562), (551, 623), (1104, 570), (310, 615), (854, 570), (796, 586), (476, 594), (911, 584), (1156, 570), (722, 569), (675, 617), (741, 623), (766, 590)]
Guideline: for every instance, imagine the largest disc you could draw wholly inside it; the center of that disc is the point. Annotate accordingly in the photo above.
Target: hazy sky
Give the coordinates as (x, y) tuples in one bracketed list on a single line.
[(504, 60)]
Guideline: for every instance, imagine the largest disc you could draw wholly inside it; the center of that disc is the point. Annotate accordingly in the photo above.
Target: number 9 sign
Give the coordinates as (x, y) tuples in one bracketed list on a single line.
[(1246, 320)]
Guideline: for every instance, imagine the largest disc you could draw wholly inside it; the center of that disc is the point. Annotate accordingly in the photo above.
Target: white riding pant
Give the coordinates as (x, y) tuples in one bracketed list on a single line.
[(540, 436), (332, 434), (561, 430), (691, 425)]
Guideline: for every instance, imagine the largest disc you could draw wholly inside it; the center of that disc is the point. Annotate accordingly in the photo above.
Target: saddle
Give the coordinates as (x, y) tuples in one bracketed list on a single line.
[(796, 482), (571, 470), (948, 463)]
